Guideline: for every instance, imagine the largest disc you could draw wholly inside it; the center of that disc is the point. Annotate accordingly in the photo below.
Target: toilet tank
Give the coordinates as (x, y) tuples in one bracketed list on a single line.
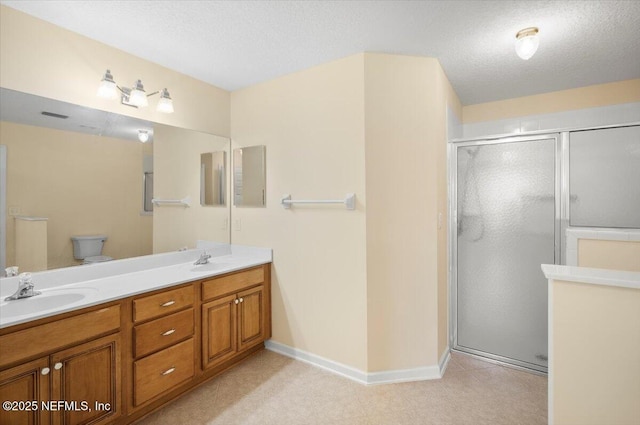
[(87, 246)]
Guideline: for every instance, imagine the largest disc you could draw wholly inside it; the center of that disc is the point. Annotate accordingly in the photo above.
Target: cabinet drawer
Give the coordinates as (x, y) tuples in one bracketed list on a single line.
[(162, 332), (163, 371), (162, 304), (51, 336), (232, 283)]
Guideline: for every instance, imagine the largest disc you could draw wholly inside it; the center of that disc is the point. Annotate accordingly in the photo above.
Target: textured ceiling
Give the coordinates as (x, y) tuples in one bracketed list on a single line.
[(234, 44)]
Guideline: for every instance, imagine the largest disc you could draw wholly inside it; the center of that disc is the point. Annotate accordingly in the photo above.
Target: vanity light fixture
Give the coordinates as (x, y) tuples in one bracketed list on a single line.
[(135, 96), (143, 136), (527, 42), (165, 104)]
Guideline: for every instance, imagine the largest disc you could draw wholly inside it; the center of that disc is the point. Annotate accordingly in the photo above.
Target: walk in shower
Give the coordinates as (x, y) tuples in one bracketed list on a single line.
[(506, 227), (511, 202)]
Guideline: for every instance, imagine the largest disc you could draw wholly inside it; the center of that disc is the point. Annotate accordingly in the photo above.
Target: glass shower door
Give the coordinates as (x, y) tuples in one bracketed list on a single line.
[(506, 228)]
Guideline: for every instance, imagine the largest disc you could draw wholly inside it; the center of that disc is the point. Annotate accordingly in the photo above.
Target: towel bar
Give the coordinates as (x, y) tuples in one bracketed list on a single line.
[(349, 201)]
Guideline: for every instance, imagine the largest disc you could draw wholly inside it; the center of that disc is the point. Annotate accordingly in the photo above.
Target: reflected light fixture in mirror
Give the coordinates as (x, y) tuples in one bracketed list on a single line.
[(527, 42), (143, 136), (135, 96)]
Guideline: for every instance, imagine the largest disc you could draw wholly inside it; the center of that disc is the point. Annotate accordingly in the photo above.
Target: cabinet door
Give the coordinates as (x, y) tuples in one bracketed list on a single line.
[(87, 377), (25, 383), (219, 330), (251, 323)]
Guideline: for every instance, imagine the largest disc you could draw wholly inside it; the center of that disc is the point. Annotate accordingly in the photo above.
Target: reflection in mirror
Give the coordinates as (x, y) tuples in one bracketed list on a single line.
[(249, 177), (213, 178), (87, 172)]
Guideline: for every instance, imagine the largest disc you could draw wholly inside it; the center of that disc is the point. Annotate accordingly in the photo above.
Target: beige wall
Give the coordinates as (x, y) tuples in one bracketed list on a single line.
[(40, 58), (83, 184), (603, 254), (595, 345), (447, 97), (406, 189), (312, 124), (176, 176), (563, 100), (365, 288)]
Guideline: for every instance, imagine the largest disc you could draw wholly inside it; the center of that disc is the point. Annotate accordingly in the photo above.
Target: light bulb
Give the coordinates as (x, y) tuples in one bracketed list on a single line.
[(107, 88), (143, 136), (165, 104), (527, 42), (138, 97)]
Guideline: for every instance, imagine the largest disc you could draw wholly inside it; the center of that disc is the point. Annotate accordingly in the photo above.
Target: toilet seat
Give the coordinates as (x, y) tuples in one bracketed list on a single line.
[(97, 259)]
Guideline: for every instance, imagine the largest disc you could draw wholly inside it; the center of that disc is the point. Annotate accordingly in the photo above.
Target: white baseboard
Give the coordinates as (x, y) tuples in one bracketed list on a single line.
[(366, 378), (318, 361), (444, 361)]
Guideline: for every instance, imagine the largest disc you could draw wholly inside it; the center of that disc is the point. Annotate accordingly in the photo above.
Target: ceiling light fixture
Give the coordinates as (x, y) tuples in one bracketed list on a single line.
[(527, 42), (143, 136), (135, 96)]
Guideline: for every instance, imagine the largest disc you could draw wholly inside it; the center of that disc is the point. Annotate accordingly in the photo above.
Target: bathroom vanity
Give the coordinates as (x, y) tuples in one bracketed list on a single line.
[(115, 361)]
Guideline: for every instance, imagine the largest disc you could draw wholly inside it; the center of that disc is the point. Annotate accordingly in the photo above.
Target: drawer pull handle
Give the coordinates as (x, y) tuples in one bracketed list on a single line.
[(168, 303), (168, 371), (236, 301), (169, 332), (57, 366), (241, 299), (45, 371)]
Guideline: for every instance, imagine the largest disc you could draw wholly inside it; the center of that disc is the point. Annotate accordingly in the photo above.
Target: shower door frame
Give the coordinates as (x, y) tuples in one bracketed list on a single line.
[(561, 186)]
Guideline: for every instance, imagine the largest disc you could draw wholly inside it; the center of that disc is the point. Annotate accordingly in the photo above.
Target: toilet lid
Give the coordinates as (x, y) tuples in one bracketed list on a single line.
[(97, 259)]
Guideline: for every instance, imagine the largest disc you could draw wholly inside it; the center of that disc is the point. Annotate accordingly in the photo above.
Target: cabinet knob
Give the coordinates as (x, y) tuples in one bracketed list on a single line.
[(168, 303), (241, 299), (236, 301), (57, 366), (168, 371), (169, 332), (45, 371)]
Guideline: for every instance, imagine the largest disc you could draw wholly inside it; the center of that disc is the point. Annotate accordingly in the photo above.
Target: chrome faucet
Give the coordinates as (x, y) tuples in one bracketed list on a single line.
[(25, 288), (204, 258)]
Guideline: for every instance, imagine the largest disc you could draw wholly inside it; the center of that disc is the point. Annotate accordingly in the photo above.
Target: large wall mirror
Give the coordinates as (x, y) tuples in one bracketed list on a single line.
[(86, 172)]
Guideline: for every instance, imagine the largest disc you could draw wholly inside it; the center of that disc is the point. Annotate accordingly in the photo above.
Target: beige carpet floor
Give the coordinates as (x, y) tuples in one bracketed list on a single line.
[(272, 389)]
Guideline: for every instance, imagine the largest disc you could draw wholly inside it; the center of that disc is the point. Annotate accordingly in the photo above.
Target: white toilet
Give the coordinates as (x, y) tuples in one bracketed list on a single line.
[(89, 249)]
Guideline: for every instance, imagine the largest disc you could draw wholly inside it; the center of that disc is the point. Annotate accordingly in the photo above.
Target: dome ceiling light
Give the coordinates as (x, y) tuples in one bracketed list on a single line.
[(527, 41)]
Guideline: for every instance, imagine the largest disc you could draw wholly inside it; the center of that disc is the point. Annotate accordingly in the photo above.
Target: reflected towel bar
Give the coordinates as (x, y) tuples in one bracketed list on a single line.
[(349, 201), (186, 202)]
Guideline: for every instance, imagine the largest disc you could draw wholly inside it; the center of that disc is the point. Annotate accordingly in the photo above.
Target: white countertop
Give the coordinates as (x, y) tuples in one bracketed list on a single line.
[(113, 280), (606, 277)]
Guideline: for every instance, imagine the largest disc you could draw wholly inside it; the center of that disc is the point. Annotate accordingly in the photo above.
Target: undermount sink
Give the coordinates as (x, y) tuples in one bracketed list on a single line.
[(48, 299)]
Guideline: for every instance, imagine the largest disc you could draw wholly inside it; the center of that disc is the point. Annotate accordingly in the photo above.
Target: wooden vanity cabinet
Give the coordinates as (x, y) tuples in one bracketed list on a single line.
[(119, 361), (236, 317), (76, 379), (21, 383), (163, 343), (88, 375)]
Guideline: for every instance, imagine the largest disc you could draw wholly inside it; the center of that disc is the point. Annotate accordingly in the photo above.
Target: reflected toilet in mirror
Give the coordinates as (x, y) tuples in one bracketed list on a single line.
[(89, 249)]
